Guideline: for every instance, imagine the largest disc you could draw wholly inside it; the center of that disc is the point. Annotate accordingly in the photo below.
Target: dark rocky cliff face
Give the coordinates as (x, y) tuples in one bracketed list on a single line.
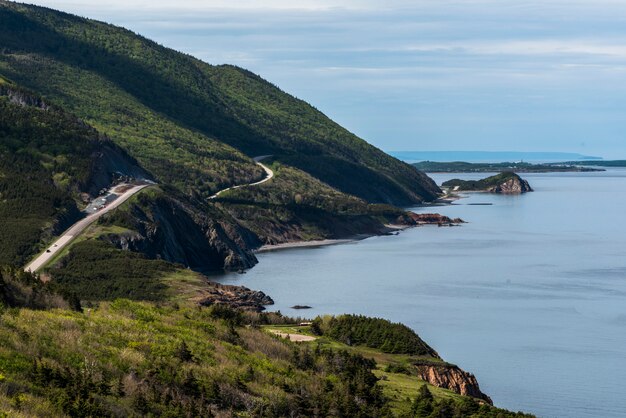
[(237, 297), (109, 163), (172, 230), (451, 377)]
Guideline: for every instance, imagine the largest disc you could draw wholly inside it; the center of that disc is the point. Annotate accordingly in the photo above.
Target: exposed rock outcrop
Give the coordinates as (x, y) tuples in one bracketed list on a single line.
[(238, 297), (433, 219), (171, 229), (23, 97), (412, 218), (514, 185), (110, 163), (451, 377)]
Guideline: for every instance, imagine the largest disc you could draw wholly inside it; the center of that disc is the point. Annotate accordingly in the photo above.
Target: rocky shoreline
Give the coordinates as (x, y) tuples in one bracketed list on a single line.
[(237, 297), (405, 221)]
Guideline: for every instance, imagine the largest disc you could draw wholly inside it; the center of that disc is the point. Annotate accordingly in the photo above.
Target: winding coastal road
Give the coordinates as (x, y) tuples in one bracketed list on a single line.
[(126, 190), (99, 208), (268, 172)]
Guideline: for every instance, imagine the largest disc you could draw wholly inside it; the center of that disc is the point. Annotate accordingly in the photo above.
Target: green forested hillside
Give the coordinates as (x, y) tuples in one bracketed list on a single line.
[(83, 104), (127, 358), (47, 158), (376, 333), (305, 138), (298, 206), (194, 127), (188, 122)]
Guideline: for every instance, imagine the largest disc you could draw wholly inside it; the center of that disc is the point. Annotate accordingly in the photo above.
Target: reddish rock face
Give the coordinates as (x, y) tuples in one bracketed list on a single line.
[(452, 378)]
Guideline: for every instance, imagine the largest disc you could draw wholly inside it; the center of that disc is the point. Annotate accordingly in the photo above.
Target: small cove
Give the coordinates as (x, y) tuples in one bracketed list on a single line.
[(529, 295)]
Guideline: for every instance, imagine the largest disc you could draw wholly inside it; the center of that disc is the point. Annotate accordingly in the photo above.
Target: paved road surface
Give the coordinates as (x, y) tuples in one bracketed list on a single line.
[(268, 172), (96, 212), (80, 226)]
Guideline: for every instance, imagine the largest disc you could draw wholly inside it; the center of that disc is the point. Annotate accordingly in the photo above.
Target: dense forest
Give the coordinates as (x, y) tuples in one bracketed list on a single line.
[(188, 122), (375, 333), (44, 158), (49, 162), (96, 270), (425, 405)]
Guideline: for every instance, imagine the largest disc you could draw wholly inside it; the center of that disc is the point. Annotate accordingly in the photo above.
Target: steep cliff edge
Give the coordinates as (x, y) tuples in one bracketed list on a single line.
[(404, 351), (170, 227), (451, 377), (506, 183)]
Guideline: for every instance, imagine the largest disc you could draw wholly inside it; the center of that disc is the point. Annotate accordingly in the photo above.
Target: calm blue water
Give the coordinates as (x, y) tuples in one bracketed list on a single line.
[(530, 295)]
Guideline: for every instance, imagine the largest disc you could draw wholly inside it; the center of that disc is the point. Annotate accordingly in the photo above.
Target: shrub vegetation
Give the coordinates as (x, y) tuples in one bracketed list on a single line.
[(375, 333)]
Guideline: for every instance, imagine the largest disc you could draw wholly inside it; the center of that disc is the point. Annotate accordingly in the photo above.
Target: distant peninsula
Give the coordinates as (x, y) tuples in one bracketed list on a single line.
[(518, 167), (506, 183)]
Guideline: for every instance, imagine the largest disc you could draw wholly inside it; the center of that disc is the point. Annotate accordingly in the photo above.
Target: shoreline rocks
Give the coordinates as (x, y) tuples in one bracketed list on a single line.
[(237, 297), (416, 219)]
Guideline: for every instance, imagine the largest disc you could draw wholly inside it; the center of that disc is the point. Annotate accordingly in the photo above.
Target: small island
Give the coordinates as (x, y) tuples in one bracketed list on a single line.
[(506, 183)]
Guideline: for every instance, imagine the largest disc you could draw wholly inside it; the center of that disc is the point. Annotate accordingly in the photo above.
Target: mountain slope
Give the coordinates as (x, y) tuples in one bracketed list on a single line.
[(187, 122), (194, 127), (49, 160), (133, 359)]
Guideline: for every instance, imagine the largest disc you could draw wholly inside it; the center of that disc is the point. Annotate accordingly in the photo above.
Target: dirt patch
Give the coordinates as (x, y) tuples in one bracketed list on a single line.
[(298, 338)]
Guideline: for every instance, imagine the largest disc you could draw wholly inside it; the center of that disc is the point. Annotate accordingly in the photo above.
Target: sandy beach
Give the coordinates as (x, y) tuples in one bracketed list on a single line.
[(302, 244), (390, 228)]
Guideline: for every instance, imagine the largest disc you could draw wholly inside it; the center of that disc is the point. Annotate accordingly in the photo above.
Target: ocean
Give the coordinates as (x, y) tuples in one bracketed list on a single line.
[(529, 295)]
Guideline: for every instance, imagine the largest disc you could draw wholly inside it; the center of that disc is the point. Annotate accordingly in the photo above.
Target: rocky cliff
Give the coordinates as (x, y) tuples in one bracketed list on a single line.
[(237, 297), (110, 163), (451, 377), (514, 185), (170, 228)]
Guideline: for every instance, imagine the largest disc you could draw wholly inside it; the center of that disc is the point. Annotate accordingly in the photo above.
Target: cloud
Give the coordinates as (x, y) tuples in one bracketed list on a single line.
[(179, 5), (452, 71)]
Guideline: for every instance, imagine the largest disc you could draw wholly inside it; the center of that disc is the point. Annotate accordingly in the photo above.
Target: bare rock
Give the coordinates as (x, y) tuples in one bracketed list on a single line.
[(451, 377), (237, 297)]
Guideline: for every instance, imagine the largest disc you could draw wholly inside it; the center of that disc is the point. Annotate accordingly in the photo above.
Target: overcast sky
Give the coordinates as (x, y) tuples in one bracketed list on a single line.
[(418, 75)]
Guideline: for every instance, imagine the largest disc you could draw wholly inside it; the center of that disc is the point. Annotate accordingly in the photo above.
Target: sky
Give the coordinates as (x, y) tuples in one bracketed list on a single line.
[(488, 75)]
